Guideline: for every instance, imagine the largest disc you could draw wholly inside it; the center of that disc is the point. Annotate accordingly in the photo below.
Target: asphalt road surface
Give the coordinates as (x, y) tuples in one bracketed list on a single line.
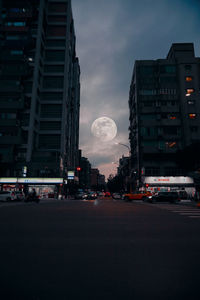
[(103, 249)]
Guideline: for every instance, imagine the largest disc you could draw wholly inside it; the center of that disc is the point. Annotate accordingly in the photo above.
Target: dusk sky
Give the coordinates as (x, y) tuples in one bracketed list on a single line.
[(110, 36)]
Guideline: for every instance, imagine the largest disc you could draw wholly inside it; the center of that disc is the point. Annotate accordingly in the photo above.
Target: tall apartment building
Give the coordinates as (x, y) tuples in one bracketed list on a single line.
[(85, 173), (39, 88), (164, 111)]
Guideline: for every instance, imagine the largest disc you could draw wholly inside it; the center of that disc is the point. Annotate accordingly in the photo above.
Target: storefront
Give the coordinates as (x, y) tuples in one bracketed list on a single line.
[(170, 183), (42, 186)]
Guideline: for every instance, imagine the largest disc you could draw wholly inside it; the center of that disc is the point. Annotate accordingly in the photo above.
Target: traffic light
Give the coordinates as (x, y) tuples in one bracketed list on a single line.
[(78, 168)]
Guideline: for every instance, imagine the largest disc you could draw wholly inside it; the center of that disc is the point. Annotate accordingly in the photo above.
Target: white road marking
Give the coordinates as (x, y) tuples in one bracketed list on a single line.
[(190, 212)]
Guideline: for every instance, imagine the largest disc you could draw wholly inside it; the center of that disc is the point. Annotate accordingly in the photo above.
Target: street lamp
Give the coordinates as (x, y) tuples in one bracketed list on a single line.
[(124, 146), (129, 166)]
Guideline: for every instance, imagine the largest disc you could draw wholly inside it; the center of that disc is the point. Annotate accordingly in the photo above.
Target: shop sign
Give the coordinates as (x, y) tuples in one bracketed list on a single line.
[(168, 180)]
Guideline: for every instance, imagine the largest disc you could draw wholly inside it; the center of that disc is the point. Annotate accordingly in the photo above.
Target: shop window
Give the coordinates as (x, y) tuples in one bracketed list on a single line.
[(188, 78), (51, 110), (192, 116), (189, 92)]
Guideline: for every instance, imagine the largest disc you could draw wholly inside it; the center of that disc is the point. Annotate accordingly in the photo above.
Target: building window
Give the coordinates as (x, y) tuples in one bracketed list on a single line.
[(192, 116), (55, 55), (56, 31), (194, 129), (57, 7), (16, 24), (191, 102), (56, 43), (152, 171), (188, 67), (172, 144), (50, 126), (54, 68), (188, 78), (53, 82), (16, 52), (172, 117), (57, 18), (189, 92), (49, 141), (51, 96), (169, 69)]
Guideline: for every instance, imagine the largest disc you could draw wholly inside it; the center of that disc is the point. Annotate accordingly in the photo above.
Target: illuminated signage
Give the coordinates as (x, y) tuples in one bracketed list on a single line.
[(70, 174), (31, 180), (168, 180)]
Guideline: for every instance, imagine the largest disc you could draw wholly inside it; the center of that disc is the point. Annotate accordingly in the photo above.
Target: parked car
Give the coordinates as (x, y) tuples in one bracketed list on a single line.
[(7, 196), (80, 196), (100, 194), (136, 196), (165, 197), (92, 195), (116, 196), (107, 194), (183, 195)]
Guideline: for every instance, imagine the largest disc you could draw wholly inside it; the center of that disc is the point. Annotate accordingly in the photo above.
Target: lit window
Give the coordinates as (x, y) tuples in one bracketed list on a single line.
[(192, 116), (16, 52), (171, 144), (188, 78), (189, 92), (172, 117), (16, 24)]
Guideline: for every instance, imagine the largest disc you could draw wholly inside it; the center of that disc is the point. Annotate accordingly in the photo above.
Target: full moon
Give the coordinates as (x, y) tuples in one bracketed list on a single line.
[(104, 128)]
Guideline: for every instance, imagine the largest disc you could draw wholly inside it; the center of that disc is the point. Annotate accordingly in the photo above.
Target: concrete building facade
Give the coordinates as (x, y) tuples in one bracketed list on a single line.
[(164, 112), (39, 89)]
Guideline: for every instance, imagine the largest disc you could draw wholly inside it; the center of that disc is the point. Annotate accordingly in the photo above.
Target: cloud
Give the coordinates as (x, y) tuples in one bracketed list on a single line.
[(111, 35)]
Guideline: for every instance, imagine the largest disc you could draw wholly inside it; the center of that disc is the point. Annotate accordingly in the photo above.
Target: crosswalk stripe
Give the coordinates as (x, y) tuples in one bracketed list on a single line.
[(190, 212)]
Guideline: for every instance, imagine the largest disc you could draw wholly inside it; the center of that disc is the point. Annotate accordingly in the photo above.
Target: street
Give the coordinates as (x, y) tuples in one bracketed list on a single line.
[(100, 249)]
